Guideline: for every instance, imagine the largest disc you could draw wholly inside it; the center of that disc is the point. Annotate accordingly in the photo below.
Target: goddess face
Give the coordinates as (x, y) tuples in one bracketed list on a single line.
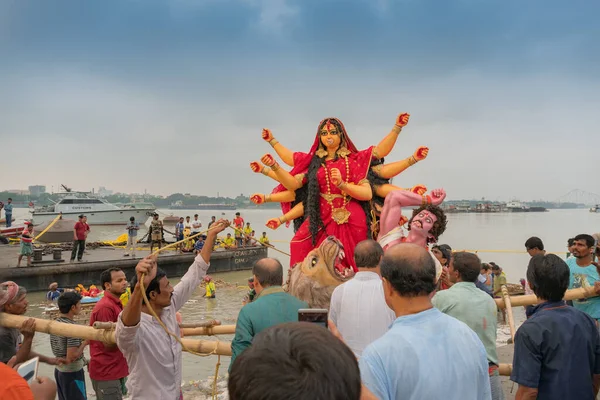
[(331, 137)]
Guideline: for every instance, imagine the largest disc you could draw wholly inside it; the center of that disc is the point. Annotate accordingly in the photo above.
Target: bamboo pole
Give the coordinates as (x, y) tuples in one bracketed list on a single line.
[(505, 369), (203, 324), (104, 325), (198, 331), (509, 313), (209, 330), (102, 335), (529, 300)]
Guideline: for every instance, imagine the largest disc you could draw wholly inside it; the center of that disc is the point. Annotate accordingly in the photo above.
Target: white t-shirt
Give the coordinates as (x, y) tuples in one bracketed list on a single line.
[(196, 225)]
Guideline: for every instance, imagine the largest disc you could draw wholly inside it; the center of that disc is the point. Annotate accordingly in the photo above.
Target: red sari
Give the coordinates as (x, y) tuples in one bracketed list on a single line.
[(349, 233)]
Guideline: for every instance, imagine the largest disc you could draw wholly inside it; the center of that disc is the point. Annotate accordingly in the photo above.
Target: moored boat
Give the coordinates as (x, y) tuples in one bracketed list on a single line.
[(98, 211)]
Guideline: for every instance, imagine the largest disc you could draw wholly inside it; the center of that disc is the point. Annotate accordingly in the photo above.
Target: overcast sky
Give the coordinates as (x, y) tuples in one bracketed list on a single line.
[(171, 95)]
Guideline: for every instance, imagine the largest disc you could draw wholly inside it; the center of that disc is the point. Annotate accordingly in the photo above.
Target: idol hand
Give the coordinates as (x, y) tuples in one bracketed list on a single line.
[(268, 160), (419, 189), (257, 198), (273, 223), (438, 196), (402, 119), (256, 167), (336, 177), (421, 153), (267, 135)]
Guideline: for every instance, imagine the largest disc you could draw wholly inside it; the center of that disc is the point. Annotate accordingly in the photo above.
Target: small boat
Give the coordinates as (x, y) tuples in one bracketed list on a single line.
[(516, 206), (15, 231), (595, 209)]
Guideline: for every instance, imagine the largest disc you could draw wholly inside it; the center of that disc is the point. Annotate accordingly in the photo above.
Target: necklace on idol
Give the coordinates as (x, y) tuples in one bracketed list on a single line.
[(339, 215)]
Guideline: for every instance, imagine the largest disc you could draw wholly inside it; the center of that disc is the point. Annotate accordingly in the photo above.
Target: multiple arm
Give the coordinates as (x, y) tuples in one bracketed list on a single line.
[(291, 215), (283, 152), (361, 191), (282, 197), (387, 144)]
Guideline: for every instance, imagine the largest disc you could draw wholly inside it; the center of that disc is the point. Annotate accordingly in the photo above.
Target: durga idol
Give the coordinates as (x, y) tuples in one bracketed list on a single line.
[(334, 173)]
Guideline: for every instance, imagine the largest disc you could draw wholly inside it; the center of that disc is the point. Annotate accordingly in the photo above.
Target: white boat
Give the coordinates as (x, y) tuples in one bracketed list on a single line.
[(98, 211), (595, 209), (516, 206)]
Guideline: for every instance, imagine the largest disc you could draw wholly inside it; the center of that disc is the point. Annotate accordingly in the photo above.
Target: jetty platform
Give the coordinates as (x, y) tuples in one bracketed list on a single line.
[(87, 272)]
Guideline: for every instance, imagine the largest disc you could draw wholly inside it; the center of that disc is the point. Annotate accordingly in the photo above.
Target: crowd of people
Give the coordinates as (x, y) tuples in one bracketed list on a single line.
[(395, 331)]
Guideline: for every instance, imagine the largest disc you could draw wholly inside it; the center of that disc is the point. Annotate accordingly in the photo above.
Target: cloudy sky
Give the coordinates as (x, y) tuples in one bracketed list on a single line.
[(171, 95)]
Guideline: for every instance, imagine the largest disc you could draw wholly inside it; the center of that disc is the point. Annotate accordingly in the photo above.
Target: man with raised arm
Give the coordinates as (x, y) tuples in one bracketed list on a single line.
[(153, 356)]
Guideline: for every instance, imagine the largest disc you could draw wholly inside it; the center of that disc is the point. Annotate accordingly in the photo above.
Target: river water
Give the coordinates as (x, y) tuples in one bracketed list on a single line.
[(497, 237)]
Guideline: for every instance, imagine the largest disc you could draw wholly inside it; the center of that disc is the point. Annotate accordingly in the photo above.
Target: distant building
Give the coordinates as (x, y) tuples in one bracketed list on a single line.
[(19, 192), (37, 190), (103, 192)]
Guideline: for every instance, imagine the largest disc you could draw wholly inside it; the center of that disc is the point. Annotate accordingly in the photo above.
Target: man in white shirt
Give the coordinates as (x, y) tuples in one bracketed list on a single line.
[(196, 225), (154, 357), (358, 307)]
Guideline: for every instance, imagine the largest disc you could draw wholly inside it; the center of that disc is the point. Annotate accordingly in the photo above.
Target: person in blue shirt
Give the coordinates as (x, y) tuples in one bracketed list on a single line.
[(557, 349), (8, 209), (179, 227), (54, 292), (584, 273), (199, 244), (426, 354)]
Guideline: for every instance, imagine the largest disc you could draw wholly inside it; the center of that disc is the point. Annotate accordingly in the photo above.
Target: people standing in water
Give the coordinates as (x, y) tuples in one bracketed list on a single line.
[(211, 290)]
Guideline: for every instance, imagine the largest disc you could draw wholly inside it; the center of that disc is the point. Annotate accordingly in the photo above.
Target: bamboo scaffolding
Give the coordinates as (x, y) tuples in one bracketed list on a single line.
[(106, 336), (529, 300), (505, 369), (509, 313), (209, 330)]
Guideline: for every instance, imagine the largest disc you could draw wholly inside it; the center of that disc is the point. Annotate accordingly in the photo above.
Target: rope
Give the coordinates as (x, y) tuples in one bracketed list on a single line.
[(47, 228), (256, 241), (176, 337)]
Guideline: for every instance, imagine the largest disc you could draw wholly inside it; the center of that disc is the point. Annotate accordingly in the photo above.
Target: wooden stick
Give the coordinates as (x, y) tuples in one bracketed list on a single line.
[(102, 335), (207, 330), (505, 369), (529, 300), (509, 313), (204, 324), (104, 325)]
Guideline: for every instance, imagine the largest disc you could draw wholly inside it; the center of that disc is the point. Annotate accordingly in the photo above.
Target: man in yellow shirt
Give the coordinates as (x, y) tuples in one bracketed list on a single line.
[(229, 242), (125, 296), (264, 240), (247, 234), (211, 290)]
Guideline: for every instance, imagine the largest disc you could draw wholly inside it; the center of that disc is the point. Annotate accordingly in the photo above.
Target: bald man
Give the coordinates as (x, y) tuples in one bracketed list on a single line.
[(271, 306), (423, 345), (360, 301)]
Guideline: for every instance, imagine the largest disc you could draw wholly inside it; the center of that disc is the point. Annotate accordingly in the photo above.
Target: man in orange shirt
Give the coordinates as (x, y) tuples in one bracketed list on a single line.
[(14, 387)]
